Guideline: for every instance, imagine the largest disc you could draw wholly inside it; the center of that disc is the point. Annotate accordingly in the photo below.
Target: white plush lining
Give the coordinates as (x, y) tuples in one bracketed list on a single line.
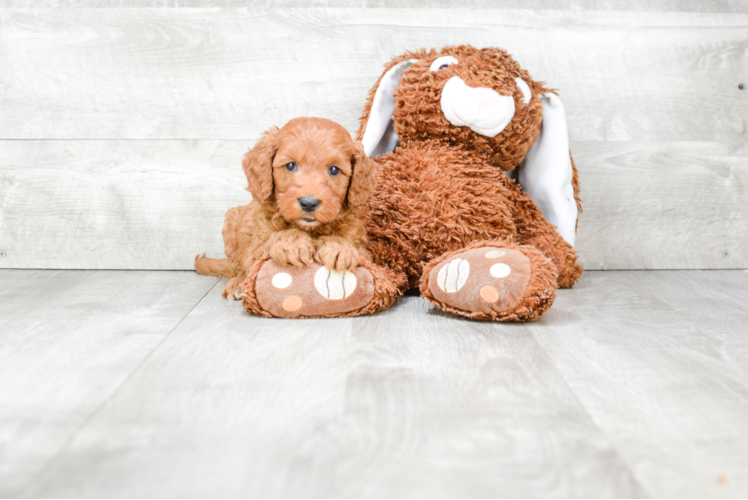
[(380, 137), (546, 172)]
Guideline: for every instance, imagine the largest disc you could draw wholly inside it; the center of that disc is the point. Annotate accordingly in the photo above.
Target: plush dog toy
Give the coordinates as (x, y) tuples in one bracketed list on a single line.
[(477, 199)]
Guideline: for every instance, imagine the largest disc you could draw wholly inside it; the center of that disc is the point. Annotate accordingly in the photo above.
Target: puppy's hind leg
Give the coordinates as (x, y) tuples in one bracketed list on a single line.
[(222, 268), (213, 267)]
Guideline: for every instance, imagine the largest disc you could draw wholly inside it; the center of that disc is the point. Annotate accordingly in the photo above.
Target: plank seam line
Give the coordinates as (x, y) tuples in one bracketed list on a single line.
[(594, 422), (35, 480)]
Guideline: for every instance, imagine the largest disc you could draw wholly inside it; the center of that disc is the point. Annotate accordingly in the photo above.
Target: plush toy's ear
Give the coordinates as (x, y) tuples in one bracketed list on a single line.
[(547, 173), (363, 177), (377, 131), (258, 166)]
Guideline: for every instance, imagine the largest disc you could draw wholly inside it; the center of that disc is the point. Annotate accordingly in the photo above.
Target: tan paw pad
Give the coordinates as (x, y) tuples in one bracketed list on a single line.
[(291, 303), (489, 294)]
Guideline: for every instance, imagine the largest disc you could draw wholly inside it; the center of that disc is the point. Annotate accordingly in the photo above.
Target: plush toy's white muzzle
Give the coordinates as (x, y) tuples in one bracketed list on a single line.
[(482, 110)]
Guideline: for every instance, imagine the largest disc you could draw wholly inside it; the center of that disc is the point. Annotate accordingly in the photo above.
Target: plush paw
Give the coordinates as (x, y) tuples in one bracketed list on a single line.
[(482, 283), (312, 291)]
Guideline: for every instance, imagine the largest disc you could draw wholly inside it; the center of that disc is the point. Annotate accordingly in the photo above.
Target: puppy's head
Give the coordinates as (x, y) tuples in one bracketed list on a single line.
[(312, 170)]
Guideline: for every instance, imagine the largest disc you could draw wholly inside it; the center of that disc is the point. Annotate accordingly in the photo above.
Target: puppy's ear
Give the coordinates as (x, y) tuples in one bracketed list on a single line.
[(363, 177), (258, 166)]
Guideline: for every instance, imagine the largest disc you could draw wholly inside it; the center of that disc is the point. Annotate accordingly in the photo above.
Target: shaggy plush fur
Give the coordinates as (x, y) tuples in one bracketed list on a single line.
[(285, 166), (443, 189)]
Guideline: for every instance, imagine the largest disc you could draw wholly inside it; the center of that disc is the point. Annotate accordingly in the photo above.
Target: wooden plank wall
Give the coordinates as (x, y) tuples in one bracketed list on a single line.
[(123, 126)]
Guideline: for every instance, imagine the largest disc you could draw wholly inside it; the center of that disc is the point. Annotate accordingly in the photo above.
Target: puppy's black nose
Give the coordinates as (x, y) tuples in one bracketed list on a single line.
[(308, 203)]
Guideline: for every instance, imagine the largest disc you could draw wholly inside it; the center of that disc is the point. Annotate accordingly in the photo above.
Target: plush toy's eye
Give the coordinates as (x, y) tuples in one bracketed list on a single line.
[(291, 166), (334, 170), (525, 90), (443, 62)]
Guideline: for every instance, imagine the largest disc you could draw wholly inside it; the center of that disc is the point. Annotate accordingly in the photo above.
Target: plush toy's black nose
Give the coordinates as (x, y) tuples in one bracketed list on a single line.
[(308, 203)]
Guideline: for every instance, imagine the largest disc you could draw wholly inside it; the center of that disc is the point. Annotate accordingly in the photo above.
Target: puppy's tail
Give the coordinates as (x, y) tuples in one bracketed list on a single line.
[(213, 267)]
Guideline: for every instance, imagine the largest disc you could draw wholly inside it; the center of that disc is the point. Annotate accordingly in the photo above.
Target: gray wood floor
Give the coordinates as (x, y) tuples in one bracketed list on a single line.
[(147, 383)]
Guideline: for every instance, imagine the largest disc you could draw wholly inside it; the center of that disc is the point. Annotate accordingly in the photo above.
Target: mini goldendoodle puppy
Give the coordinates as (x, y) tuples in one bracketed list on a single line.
[(311, 183)]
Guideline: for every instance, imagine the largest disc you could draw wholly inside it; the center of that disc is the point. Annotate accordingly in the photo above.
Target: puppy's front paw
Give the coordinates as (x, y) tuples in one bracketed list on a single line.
[(338, 256), (298, 252)]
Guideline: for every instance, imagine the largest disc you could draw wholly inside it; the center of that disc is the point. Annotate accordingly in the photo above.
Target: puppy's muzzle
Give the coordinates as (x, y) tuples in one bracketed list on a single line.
[(309, 203)]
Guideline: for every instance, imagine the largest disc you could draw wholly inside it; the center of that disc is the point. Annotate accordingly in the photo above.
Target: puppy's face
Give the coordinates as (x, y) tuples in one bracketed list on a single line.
[(311, 172), (315, 168)]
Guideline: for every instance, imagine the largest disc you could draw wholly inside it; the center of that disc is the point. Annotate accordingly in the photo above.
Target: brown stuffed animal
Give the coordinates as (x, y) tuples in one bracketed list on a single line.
[(453, 130), (449, 126)]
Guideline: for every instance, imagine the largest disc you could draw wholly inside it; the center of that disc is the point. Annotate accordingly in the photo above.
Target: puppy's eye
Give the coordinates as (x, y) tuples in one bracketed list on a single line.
[(443, 62), (334, 170), (291, 166)]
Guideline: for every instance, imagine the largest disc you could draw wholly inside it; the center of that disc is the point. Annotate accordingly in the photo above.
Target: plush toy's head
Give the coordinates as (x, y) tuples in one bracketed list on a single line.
[(479, 99)]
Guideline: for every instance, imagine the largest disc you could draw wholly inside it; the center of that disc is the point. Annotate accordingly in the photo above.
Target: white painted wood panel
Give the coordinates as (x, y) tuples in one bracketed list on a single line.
[(68, 341), (230, 73), (605, 5), (156, 204), (408, 403), (654, 205), (116, 204), (174, 96)]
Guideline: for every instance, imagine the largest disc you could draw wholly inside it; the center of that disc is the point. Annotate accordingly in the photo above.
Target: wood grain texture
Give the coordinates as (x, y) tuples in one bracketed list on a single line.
[(230, 73), (68, 341), (408, 403), (116, 204), (658, 360), (156, 204), (634, 384), (614, 5), (653, 205)]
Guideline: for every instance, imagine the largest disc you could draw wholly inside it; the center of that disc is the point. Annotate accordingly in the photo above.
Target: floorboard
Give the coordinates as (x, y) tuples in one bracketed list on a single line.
[(658, 360), (68, 341)]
